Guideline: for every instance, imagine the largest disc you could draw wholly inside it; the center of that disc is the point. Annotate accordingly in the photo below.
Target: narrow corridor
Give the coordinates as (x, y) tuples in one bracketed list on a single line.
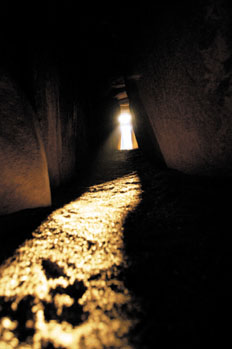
[(133, 259)]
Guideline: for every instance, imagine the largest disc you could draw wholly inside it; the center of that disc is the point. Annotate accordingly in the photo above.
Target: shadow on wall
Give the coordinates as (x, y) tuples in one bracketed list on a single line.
[(142, 126), (183, 90)]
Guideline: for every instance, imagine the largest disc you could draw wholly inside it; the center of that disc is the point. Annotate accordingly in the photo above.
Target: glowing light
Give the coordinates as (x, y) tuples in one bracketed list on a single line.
[(125, 119), (84, 238), (126, 131)]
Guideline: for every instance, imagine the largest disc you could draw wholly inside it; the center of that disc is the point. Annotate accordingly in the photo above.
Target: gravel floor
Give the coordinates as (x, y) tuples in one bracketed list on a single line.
[(129, 257)]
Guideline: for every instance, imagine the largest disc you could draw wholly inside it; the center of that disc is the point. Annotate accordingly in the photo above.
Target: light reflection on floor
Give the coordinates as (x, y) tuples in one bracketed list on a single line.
[(67, 275)]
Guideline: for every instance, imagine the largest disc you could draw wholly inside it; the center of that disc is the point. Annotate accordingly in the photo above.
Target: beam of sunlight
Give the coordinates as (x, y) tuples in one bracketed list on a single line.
[(127, 140), (65, 278)]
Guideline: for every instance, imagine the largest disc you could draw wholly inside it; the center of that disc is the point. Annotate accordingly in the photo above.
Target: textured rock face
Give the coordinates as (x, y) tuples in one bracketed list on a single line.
[(48, 122), (42, 126), (23, 175), (185, 88), (178, 80), (145, 136), (63, 74), (62, 127)]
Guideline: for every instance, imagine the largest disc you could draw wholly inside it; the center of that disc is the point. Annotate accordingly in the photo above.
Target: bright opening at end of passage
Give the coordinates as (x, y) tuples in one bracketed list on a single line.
[(127, 136)]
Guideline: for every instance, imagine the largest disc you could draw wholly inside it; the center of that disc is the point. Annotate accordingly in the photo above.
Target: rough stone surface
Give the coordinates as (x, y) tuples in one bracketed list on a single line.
[(63, 126), (44, 110), (184, 84), (139, 256), (24, 174), (146, 138)]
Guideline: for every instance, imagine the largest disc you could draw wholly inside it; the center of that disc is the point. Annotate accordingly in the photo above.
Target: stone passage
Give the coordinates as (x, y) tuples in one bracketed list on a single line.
[(141, 257), (62, 288)]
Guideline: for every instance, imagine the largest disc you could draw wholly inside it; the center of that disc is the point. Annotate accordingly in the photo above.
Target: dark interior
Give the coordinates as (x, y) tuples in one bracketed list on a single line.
[(67, 69)]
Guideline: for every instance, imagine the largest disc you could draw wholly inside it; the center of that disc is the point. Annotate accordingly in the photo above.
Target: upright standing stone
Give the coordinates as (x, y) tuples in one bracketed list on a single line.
[(24, 181)]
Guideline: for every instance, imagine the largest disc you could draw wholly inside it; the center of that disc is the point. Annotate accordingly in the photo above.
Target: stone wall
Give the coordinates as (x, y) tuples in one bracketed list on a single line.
[(57, 98), (53, 118), (184, 85), (23, 175), (43, 126), (61, 118)]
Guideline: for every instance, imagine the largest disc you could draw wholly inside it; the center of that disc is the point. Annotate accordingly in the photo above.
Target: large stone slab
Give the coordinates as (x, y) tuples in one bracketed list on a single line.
[(24, 181), (62, 122), (185, 86)]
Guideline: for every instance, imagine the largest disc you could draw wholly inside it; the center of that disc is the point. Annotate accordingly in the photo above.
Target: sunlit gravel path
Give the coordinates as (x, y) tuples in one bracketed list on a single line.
[(61, 288), (139, 256)]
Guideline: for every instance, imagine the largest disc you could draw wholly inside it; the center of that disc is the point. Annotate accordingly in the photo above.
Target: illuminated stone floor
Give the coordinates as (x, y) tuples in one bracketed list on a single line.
[(61, 286), (135, 258)]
